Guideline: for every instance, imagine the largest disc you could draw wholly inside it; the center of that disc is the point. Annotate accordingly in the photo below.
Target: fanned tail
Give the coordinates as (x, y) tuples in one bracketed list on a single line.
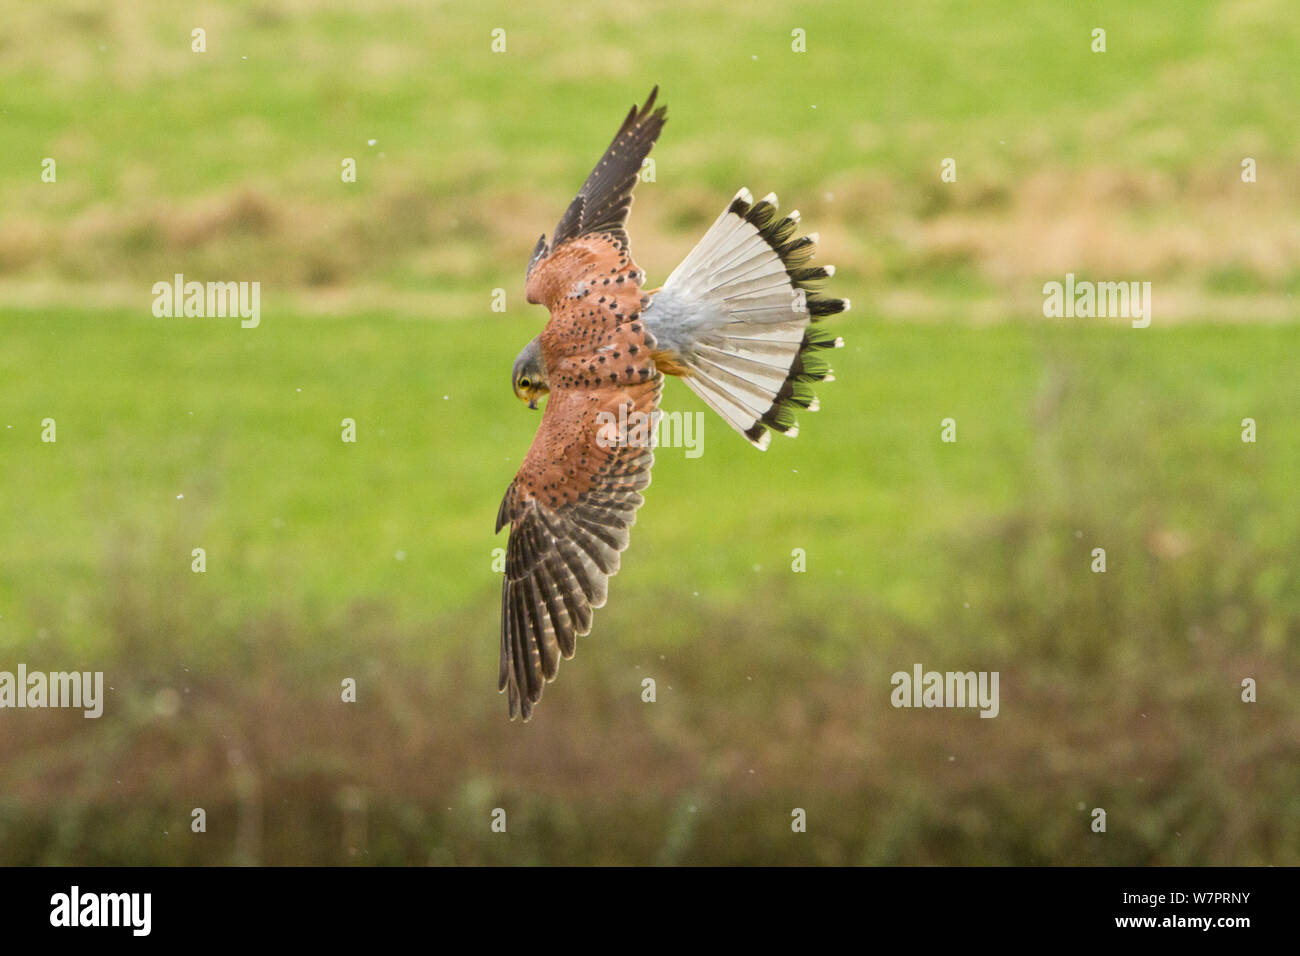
[(739, 313)]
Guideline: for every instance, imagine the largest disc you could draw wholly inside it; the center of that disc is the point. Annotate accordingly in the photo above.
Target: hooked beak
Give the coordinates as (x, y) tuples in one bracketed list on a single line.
[(532, 403)]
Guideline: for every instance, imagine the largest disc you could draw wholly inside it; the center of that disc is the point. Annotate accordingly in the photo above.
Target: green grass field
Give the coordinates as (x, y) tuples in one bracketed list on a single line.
[(328, 560), (1120, 690)]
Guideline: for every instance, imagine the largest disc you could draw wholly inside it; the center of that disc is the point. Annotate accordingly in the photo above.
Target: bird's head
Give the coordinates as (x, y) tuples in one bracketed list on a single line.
[(528, 378)]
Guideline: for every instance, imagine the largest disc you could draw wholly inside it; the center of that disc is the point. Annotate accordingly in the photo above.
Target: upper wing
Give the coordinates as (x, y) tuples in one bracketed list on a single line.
[(602, 205)]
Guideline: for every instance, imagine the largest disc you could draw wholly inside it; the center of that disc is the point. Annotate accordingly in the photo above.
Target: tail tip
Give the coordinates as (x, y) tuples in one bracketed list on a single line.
[(758, 436)]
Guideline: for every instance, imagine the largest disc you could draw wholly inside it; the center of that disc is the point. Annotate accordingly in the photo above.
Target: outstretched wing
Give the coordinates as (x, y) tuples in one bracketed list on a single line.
[(574, 500), (570, 509), (602, 205)]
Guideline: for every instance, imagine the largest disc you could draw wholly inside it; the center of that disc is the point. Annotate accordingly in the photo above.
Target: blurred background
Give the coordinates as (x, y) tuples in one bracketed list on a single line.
[(373, 561)]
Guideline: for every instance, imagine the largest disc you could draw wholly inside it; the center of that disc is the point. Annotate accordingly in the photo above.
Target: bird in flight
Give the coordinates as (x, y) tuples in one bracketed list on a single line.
[(735, 321)]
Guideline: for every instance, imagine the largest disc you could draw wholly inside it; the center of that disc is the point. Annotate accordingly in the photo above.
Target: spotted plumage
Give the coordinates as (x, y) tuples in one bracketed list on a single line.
[(733, 320), (576, 495)]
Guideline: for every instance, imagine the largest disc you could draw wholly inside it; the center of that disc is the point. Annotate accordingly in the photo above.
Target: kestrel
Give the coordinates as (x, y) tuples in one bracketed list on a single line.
[(733, 321)]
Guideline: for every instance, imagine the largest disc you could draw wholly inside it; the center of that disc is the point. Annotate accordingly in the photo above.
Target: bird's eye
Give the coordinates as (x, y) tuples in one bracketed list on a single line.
[(524, 383)]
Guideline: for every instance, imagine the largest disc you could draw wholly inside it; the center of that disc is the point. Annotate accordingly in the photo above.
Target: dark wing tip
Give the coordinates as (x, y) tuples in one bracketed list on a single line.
[(603, 202)]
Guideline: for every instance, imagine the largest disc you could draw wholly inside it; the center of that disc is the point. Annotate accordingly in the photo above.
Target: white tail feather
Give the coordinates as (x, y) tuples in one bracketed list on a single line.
[(736, 313)]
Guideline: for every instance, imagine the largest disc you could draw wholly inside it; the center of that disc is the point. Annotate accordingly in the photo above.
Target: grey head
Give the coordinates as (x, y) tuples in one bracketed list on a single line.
[(528, 377)]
